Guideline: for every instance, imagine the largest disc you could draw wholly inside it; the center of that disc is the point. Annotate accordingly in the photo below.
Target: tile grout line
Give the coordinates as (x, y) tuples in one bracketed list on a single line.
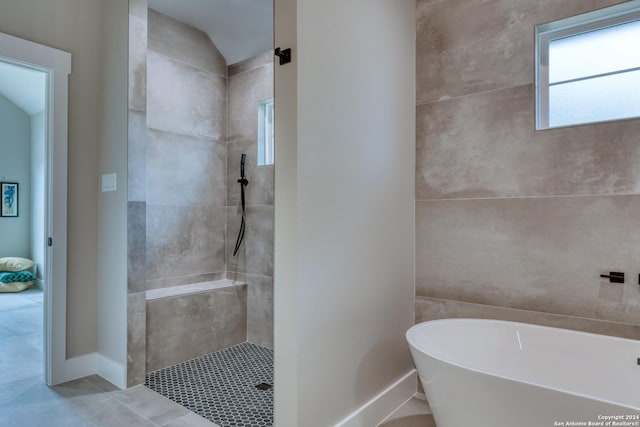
[(130, 409), (123, 403), (453, 98), (590, 319), (554, 196), (266, 64), (195, 67)]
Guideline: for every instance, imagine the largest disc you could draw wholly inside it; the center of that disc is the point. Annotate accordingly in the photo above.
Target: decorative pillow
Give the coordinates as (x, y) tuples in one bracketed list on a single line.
[(14, 286), (17, 276), (15, 264)]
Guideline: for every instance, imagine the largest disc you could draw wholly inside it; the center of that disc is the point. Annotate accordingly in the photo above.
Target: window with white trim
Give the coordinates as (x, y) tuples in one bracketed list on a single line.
[(265, 132), (588, 67)]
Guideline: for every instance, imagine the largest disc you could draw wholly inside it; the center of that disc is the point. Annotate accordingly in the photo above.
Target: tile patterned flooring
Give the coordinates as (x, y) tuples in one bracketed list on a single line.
[(25, 400), (20, 335), (89, 402), (221, 386)]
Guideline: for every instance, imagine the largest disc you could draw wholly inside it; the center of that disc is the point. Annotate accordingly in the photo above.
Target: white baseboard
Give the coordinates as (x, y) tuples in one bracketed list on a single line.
[(79, 367), (381, 406), (111, 371), (94, 363)]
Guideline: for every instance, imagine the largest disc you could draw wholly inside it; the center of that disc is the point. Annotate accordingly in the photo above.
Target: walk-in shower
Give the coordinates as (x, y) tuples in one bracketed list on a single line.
[(200, 303)]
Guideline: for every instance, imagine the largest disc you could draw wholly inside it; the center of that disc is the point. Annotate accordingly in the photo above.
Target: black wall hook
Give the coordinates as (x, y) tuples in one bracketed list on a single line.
[(284, 55)]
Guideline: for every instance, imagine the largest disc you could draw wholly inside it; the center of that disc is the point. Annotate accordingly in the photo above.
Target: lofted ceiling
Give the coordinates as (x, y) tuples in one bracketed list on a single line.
[(240, 29), (24, 87)]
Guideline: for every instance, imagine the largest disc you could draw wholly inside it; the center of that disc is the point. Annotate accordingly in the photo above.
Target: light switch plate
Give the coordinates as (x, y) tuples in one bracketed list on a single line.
[(109, 182)]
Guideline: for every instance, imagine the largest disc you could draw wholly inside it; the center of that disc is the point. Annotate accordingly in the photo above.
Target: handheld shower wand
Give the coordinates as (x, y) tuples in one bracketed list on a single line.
[(242, 179), (243, 183)]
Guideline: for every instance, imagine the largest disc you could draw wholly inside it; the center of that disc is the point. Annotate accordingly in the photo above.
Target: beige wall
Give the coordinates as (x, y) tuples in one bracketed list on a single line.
[(344, 253), (73, 26), (513, 223), (285, 239), (112, 255)]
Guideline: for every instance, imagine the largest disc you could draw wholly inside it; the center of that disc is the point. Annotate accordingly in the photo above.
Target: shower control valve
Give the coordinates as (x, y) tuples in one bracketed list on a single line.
[(614, 277)]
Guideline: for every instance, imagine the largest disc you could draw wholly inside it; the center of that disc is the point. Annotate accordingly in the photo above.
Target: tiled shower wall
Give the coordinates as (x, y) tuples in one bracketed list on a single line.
[(251, 81), (136, 196), (186, 155), (513, 223), (179, 202)]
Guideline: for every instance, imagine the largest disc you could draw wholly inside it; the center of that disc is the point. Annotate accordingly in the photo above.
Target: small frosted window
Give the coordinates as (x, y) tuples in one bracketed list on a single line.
[(595, 52), (588, 67), (265, 133), (594, 100)]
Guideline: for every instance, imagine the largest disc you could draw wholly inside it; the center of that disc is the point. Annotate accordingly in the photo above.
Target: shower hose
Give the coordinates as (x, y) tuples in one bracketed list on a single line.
[(243, 183)]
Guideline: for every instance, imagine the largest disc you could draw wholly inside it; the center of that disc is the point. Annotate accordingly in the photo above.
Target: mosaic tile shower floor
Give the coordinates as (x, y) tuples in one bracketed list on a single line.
[(221, 386)]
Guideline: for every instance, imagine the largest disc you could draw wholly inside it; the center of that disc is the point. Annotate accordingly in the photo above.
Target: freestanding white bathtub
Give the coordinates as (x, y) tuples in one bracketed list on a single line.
[(490, 373)]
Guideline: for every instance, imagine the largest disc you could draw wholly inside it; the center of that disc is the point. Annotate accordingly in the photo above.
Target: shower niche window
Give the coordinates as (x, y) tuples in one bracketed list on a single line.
[(588, 67), (265, 133)]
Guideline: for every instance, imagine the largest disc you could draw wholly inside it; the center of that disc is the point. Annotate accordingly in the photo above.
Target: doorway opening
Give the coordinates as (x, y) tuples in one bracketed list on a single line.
[(33, 221), (22, 221)]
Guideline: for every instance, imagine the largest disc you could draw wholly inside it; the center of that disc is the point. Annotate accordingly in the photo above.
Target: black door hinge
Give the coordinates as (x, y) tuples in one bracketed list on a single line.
[(284, 55)]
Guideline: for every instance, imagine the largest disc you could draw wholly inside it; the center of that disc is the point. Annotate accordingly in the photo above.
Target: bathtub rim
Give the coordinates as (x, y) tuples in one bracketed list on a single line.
[(412, 345)]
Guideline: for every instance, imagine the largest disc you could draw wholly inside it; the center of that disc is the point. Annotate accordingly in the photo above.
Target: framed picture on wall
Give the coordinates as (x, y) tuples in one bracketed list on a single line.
[(9, 194)]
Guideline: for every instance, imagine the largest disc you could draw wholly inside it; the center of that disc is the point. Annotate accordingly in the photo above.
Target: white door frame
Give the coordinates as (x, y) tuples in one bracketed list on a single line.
[(57, 65)]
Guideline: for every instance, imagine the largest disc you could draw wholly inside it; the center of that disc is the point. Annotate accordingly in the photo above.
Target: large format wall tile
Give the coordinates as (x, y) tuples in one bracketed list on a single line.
[(177, 164), (245, 91), (185, 43), (190, 326), (185, 100), (183, 170), (136, 209), (472, 46), (137, 156), (260, 190), (136, 246), (136, 338), (251, 63), (433, 309), (485, 145), (541, 254), (256, 253), (184, 241), (137, 63), (251, 81), (259, 307), (525, 253)]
